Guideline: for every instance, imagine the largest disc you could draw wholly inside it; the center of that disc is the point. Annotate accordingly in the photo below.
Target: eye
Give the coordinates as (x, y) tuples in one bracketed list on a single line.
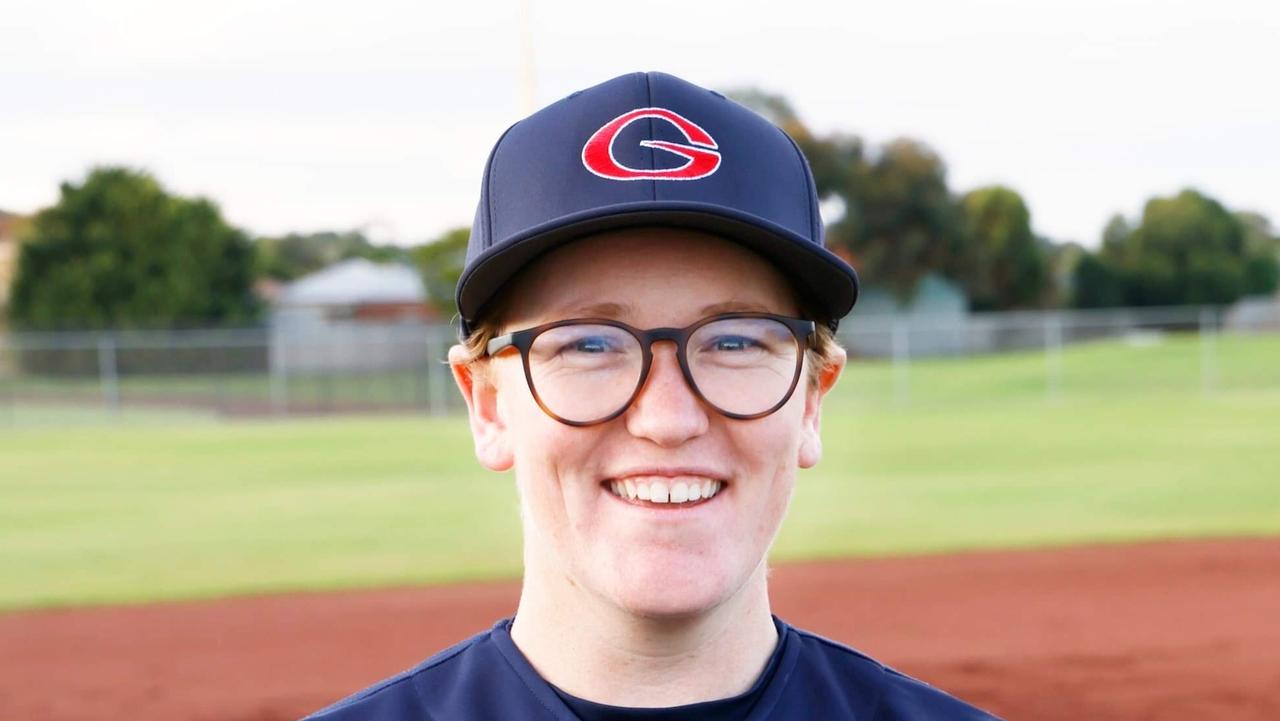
[(592, 344), (733, 343)]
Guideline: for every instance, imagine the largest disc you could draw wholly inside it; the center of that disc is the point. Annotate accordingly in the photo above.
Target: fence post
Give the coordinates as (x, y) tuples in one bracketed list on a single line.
[(217, 355), (1053, 356), (108, 373), (436, 369), (276, 342), (901, 362), (1208, 352), (9, 379)]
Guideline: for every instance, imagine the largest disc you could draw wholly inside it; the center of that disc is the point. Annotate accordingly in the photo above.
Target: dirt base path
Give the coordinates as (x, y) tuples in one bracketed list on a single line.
[(1169, 631)]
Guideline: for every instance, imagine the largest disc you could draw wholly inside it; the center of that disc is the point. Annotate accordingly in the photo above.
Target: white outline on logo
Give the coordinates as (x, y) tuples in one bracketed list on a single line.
[(674, 148)]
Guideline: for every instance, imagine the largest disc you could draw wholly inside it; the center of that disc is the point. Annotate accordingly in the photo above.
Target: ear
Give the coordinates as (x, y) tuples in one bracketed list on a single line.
[(811, 439), (488, 430)]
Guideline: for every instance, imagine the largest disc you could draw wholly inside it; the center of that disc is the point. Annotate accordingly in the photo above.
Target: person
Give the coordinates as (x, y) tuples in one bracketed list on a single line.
[(648, 316)]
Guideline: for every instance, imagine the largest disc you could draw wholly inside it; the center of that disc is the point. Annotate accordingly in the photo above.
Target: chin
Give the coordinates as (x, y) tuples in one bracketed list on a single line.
[(672, 606), (655, 591)]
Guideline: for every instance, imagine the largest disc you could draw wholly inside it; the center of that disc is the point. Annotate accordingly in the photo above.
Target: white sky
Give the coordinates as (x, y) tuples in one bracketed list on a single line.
[(380, 113)]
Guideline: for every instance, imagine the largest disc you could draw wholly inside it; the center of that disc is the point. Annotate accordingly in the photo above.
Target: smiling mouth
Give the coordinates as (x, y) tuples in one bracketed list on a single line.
[(663, 491)]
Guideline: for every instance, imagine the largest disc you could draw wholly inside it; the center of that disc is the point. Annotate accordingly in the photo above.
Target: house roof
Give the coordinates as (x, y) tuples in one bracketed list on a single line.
[(356, 281)]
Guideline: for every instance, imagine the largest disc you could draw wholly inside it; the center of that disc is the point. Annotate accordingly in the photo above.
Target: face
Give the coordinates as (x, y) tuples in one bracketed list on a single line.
[(649, 559)]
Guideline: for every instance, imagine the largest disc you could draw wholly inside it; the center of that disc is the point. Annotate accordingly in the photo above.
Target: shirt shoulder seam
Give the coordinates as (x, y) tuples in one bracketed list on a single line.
[(877, 709), (892, 675), (842, 648)]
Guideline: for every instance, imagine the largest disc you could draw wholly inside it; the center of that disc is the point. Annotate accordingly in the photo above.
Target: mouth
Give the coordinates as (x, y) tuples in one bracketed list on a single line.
[(664, 491)]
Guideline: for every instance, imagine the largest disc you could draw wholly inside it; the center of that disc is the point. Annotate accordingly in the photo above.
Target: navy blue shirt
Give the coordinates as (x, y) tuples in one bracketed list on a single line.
[(487, 678), (735, 708)]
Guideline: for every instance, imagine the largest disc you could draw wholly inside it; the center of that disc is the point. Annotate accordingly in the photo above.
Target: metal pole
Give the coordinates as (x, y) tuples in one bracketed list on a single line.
[(217, 356), (437, 366), (331, 364), (10, 378), (901, 362), (276, 342), (1208, 352), (108, 374), (1053, 357)]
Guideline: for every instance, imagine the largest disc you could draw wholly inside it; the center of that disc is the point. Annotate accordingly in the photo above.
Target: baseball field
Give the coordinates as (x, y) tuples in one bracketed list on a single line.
[(1096, 536)]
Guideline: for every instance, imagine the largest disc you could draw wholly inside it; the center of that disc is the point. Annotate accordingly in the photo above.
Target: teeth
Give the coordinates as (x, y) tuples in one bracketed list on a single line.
[(660, 492)]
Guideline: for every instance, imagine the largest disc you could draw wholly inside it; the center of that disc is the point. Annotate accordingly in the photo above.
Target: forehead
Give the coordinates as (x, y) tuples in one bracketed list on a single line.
[(647, 276)]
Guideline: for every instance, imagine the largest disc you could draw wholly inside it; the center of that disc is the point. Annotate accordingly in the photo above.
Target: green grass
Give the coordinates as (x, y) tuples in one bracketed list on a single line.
[(174, 505)]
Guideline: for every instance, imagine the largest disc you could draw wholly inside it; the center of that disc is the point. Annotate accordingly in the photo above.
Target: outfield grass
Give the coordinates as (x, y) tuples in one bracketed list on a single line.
[(177, 506)]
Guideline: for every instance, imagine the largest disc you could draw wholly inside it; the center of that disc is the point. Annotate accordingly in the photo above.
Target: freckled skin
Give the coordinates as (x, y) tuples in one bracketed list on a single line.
[(575, 529)]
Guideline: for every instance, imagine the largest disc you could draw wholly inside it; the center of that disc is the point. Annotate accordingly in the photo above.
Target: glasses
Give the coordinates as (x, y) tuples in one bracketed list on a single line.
[(589, 370)]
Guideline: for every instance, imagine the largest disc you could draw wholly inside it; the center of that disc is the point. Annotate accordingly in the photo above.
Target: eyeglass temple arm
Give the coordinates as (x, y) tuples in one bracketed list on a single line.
[(810, 339), (497, 344)]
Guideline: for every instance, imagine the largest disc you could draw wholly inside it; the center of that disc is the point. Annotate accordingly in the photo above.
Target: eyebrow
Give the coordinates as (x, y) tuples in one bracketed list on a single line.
[(598, 310), (735, 306)]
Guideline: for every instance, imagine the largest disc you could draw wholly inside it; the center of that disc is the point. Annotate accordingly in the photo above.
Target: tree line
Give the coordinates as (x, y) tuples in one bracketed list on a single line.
[(900, 222), (118, 250)]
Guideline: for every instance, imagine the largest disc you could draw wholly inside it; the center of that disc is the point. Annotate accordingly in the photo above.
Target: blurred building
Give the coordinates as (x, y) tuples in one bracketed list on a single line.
[(355, 289), (1255, 313), (936, 303), (355, 315), (934, 297)]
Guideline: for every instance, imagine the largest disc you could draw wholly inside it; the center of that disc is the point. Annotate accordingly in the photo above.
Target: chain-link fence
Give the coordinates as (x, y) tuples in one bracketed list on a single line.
[(1055, 354), (363, 368), (255, 372)]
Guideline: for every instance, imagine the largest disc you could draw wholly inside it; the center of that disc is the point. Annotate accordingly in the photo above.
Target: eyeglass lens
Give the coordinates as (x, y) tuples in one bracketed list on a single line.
[(742, 366)]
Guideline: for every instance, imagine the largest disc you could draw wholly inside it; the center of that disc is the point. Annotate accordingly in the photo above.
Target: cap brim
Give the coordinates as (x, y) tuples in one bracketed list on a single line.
[(823, 277)]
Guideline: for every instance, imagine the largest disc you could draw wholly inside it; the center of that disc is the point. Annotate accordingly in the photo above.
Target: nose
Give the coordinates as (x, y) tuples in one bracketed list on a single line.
[(666, 411)]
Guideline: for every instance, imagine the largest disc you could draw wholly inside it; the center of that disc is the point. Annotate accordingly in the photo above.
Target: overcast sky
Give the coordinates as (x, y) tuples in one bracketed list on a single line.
[(380, 113)]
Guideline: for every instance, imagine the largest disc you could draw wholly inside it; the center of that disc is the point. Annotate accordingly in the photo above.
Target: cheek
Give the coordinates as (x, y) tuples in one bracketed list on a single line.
[(768, 448), (534, 436), (552, 465), (775, 439)]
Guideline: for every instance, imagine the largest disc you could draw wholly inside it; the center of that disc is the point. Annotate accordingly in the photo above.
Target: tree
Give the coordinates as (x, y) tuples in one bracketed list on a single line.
[(292, 256), (1115, 234), (1262, 251), (1061, 261), (902, 222), (119, 251), (1096, 284), (440, 262), (1004, 265), (1261, 275), (1187, 249)]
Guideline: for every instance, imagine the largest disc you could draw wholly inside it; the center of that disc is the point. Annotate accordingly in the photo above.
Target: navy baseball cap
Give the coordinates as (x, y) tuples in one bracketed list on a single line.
[(649, 149)]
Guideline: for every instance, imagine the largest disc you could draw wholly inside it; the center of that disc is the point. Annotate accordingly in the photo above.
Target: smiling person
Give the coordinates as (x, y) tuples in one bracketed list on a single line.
[(648, 318)]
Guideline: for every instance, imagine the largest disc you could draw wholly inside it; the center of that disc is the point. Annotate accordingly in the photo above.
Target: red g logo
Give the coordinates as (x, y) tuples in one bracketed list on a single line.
[(701, 158)]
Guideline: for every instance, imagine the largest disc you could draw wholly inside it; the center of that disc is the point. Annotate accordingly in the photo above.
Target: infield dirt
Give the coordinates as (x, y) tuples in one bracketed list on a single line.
[(1171, 631)]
